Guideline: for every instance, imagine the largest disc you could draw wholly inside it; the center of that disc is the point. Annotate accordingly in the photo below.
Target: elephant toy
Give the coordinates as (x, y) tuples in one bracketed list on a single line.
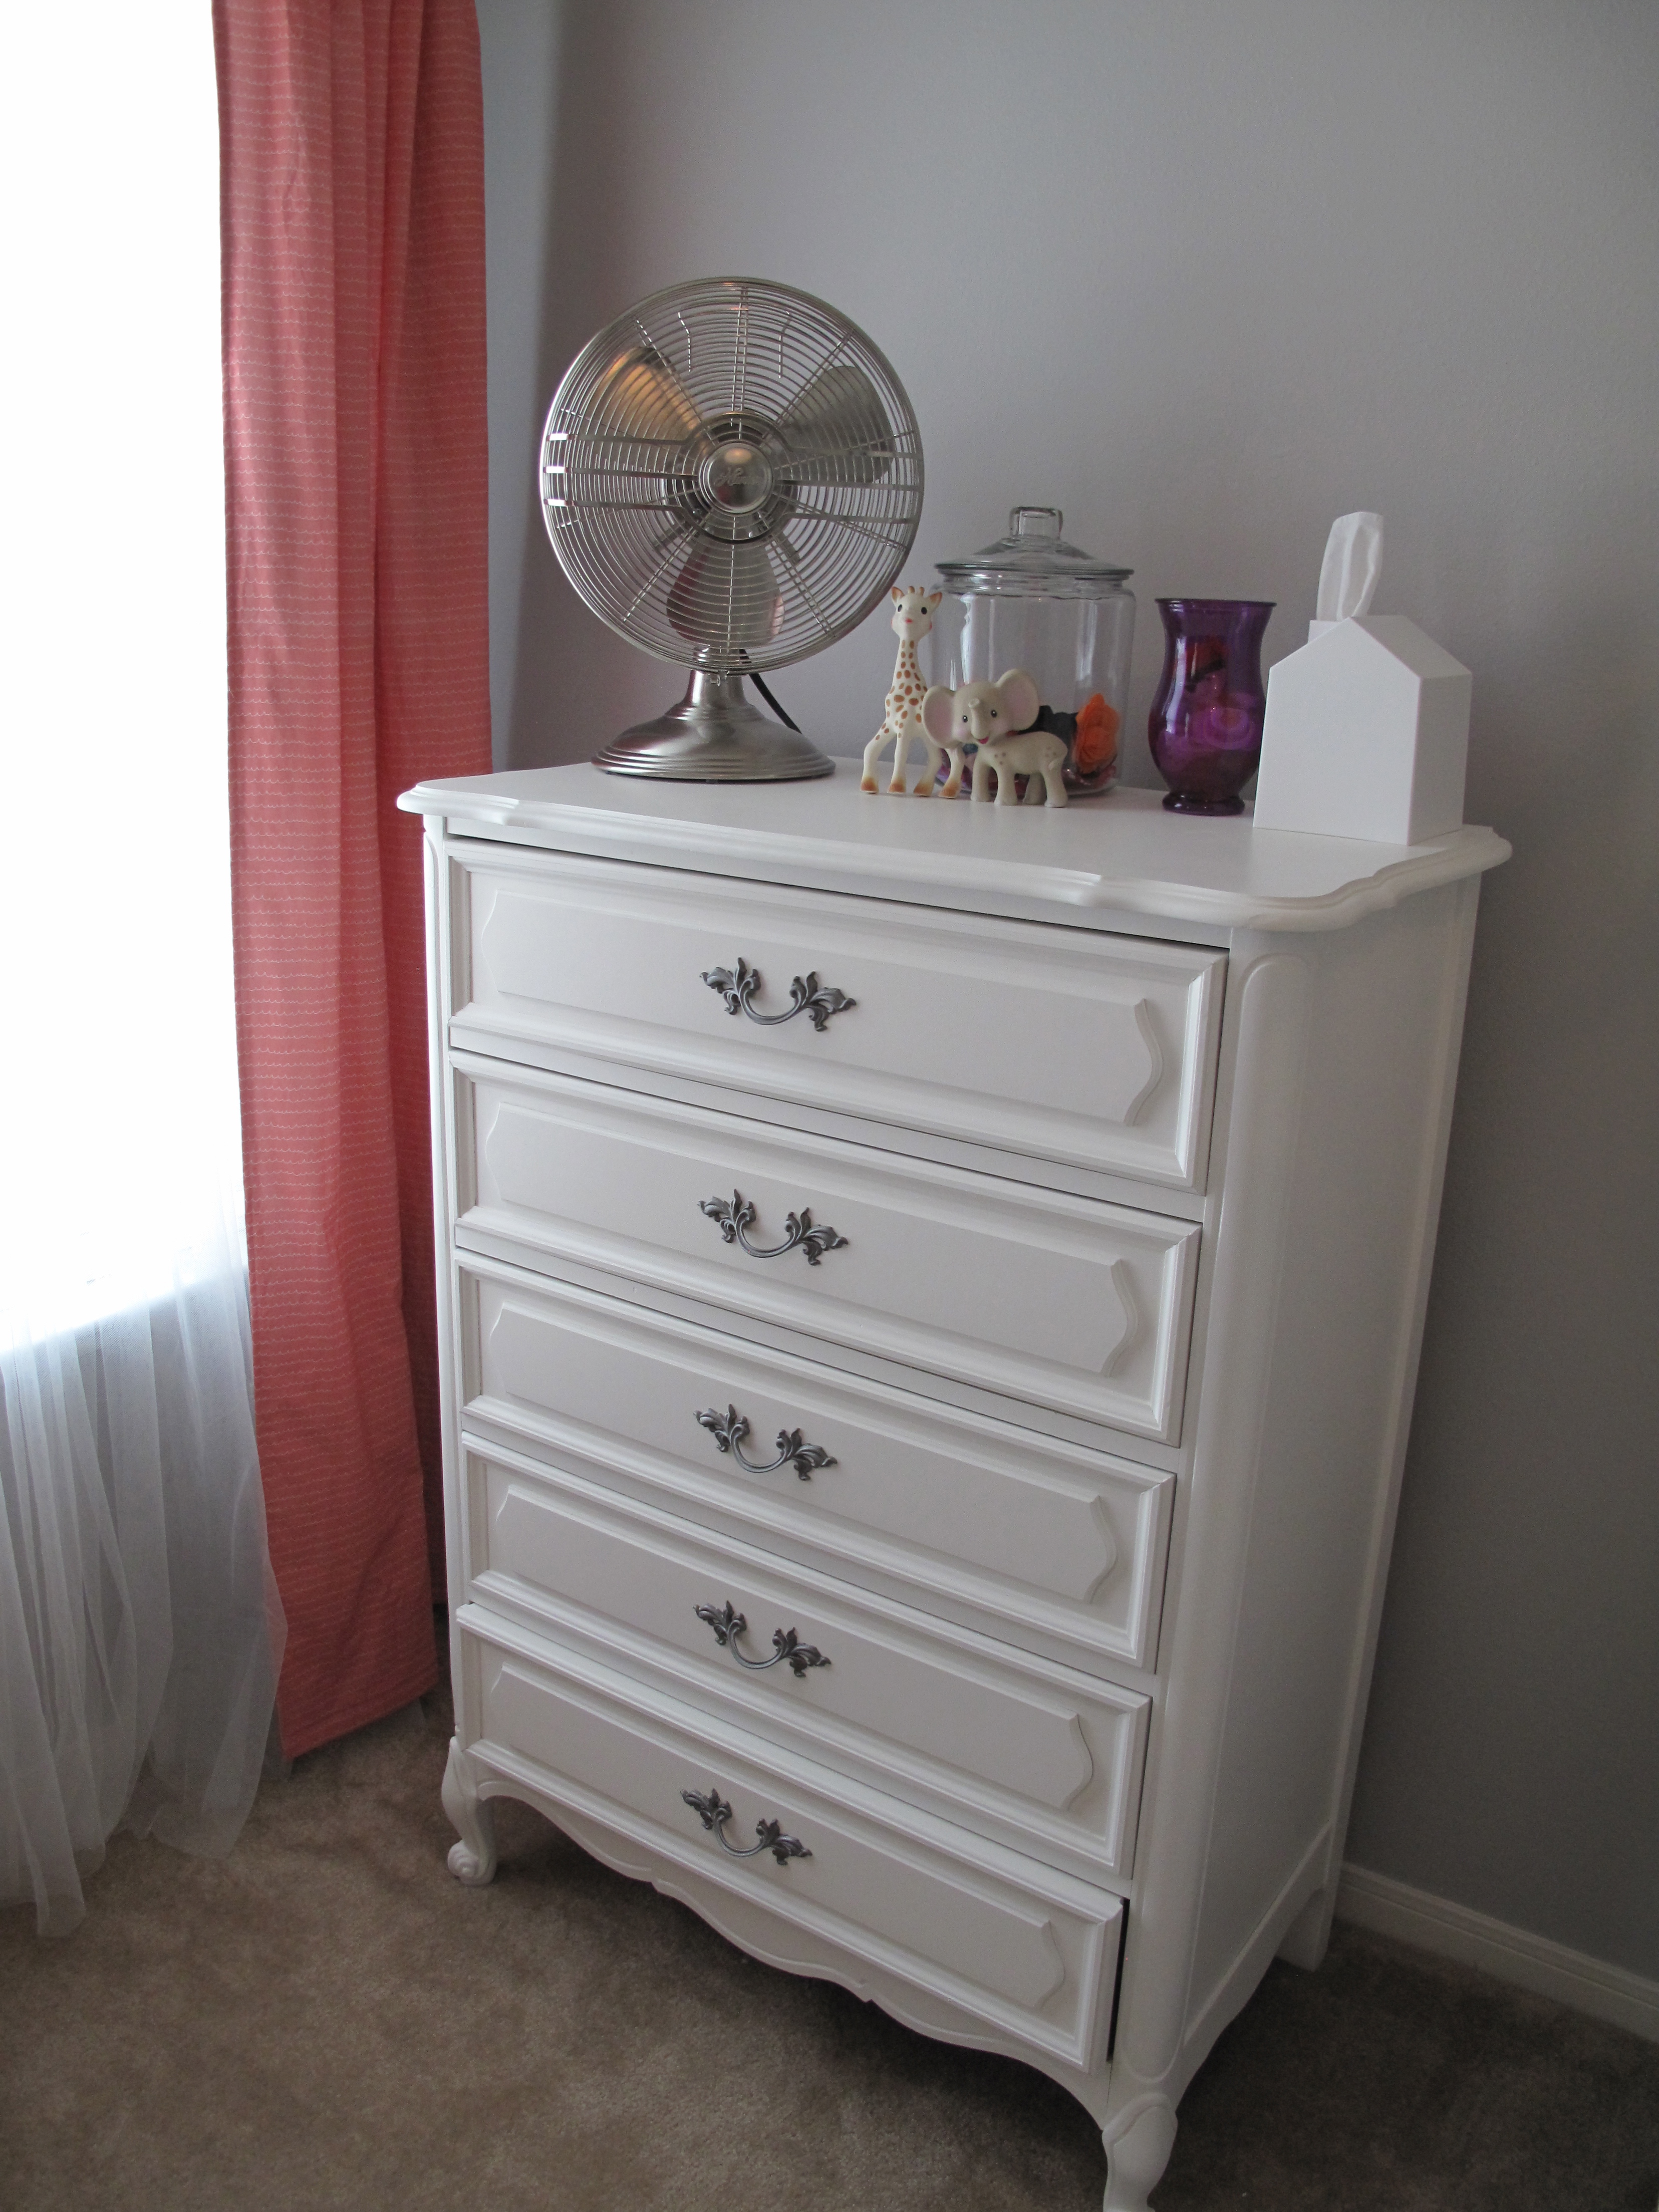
[(997, 718)]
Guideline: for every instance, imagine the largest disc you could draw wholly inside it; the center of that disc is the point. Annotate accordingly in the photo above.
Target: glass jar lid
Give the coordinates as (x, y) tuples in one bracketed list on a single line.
[(1033, 555)]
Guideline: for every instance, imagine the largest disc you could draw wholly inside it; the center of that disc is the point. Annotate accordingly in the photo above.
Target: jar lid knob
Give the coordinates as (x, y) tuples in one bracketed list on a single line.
[(1035, 522)]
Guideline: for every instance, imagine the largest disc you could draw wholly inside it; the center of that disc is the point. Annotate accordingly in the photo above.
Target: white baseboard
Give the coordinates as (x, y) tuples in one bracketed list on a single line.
[(1509, 1955)]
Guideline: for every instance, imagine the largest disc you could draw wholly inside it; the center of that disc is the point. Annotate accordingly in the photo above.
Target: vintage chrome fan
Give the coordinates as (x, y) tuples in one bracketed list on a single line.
[(731, 475)]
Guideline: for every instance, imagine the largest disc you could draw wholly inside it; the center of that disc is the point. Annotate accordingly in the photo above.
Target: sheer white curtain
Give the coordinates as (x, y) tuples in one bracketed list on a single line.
[(139, 1629)]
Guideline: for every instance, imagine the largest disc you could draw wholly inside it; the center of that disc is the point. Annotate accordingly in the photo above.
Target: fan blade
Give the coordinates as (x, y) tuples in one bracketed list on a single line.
[(641, 397), (724, 584), (837, 431)]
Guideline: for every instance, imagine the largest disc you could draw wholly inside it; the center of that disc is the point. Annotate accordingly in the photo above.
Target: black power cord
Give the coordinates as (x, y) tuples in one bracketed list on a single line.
[(761, 685)]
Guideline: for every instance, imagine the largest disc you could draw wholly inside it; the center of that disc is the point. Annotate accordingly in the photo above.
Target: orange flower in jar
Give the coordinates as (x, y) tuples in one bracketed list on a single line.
[(1094, 747)]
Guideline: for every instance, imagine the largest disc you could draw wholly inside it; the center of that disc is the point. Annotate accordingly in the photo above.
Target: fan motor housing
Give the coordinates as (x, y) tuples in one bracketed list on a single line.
[(737, 476)]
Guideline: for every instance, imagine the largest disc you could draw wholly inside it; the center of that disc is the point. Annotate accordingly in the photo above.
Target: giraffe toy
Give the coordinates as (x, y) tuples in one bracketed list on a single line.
[(913, 618)]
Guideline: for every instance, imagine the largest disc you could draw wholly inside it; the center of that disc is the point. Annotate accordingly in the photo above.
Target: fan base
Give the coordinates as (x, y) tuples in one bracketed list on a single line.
[(714, 736)]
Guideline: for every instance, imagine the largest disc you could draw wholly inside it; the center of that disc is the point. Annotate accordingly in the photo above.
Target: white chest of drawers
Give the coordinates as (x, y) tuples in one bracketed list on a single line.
[(931, 1304)]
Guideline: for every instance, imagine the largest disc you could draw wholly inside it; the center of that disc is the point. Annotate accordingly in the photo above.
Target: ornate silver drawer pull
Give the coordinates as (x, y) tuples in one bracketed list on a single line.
[(735, 1214), (730, 1428), (817, 1001), (714, 1812), (729, 1624)]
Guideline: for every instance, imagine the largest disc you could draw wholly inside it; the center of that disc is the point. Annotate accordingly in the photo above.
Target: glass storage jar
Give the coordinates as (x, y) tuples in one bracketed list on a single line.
[(1032, 601)]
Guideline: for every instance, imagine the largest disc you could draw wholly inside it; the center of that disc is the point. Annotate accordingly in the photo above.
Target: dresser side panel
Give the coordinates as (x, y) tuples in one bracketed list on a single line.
[(1385, 1015), (443, 883)]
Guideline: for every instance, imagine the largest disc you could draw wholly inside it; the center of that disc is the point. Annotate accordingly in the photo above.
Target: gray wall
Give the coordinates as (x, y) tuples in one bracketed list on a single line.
[(1204, 277)]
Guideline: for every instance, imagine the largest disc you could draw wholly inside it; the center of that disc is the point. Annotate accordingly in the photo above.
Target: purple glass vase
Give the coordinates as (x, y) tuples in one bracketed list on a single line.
[(1205, 730)]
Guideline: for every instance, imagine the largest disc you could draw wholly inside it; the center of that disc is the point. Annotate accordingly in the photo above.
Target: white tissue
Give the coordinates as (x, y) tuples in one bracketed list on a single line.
[(1347, 577)]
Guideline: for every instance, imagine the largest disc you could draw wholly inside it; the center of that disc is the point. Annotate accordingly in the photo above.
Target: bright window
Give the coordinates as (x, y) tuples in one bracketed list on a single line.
[(119, 1119)]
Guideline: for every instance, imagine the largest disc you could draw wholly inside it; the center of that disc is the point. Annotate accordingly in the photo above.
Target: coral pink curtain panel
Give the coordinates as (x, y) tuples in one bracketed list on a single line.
[(352, 199)]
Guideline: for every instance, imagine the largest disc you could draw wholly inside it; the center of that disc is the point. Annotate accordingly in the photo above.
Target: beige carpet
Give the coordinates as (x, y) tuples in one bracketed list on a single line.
[(326, 2019)]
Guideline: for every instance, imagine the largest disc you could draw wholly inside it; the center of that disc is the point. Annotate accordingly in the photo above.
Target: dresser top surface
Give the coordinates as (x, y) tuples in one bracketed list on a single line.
[(1120, 853)]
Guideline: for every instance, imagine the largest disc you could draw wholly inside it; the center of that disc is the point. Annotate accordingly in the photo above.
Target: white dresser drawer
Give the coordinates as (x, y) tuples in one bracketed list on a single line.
[(1008, 1941), (1059, 1302), (1045, 1544), (1064, 1044), (1011, 1745)]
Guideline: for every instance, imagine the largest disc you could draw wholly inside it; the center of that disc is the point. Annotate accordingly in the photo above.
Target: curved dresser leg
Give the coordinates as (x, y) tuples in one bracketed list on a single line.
[(473, 1859), (1136, 2154)]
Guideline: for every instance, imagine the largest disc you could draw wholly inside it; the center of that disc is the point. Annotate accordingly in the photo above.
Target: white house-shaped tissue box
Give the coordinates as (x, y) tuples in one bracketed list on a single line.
[(1367, 735)]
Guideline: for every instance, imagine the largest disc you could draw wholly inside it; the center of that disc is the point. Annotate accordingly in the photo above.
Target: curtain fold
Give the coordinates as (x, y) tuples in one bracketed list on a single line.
[(352, 210), (140, 1631)]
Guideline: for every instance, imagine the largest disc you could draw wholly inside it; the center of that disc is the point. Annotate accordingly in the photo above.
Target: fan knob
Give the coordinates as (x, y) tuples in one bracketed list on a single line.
[(736, 476)]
